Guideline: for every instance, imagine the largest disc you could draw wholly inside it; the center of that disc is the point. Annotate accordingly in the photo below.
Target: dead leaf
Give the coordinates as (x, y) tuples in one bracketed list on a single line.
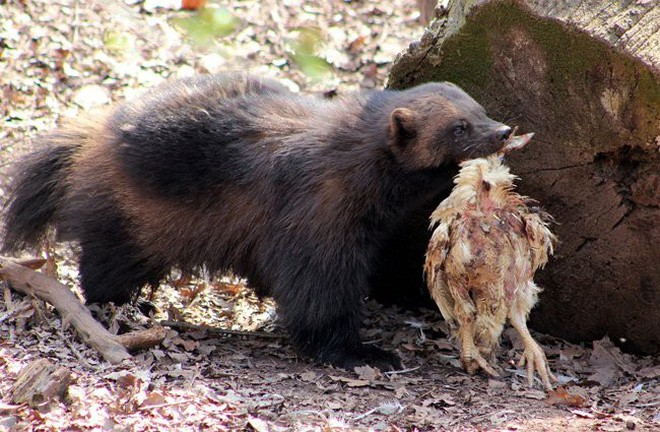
[(189, 293), (570, 352), (258, 425), (605, 375), (627, 398), (623, 361), (126, 380), (233, 288), (412, 347), (501, 416), (562, 397), (603, 359), (401, 391), (183, 280), (534, 394), (369, 74), (443, 344), (152, 399), (91, 96), (189, 345), (368, 373), (356, 45), (309, 376), (441, 399), (496, 384), (350, 381), (652, 372), (583, 414)]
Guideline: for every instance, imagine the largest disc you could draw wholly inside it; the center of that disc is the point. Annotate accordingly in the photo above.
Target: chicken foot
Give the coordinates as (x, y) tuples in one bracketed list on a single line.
[(471, 357), (533, 355)]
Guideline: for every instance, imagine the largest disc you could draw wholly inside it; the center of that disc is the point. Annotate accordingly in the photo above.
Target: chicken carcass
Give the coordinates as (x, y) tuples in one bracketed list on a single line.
[(487, 244)]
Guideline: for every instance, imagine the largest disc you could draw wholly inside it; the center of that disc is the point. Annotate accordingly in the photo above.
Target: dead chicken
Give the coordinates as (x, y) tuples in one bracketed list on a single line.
[(487, 244)]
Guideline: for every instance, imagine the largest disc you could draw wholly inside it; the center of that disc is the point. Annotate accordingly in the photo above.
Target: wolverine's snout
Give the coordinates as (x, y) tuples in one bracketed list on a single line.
[(503, 133)]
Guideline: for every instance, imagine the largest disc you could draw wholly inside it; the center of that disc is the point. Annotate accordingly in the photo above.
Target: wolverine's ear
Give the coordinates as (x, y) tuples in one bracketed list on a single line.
[(403, 125)]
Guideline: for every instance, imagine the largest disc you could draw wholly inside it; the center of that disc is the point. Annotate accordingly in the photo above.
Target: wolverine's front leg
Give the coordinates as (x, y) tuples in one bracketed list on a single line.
[(324, 316)]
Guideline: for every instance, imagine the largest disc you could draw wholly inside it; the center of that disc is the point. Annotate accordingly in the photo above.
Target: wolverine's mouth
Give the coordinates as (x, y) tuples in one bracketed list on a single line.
[(513, 142)]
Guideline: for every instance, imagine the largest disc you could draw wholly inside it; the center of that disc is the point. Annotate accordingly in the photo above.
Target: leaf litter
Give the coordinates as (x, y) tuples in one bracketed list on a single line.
[(57, 58)]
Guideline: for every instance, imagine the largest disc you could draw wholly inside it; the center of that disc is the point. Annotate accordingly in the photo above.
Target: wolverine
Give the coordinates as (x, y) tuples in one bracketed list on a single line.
[(300, 195)]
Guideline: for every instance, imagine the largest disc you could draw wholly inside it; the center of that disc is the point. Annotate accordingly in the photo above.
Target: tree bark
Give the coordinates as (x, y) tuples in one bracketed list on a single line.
[(584, 75)]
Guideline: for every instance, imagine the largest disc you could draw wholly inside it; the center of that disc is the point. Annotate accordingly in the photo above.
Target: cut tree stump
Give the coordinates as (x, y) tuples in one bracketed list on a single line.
[(583, 75)]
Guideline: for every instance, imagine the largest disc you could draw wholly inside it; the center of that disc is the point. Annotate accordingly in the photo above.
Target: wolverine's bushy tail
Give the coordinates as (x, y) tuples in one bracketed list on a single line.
[(37, 191)]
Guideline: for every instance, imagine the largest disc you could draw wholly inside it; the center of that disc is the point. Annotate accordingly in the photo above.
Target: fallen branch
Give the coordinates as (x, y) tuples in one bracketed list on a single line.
[(142, 339), (112, 348)]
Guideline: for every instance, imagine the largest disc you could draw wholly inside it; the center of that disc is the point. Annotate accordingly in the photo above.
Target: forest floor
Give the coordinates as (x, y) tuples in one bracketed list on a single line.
[(60, 57)]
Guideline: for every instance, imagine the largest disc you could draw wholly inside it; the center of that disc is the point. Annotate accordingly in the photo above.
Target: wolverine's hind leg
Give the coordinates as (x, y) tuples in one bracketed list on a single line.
[(113, 272), (112, 267)]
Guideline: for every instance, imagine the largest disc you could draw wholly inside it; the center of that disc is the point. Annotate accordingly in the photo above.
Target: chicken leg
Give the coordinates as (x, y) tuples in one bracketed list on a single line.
[(533, 354), (471, 357)]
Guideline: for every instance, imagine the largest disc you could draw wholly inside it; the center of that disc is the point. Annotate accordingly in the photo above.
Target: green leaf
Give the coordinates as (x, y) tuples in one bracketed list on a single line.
[(208, 24), (305, 49)]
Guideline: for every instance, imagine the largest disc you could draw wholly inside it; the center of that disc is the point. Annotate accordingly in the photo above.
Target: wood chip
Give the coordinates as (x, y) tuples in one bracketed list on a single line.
[(40, 382)]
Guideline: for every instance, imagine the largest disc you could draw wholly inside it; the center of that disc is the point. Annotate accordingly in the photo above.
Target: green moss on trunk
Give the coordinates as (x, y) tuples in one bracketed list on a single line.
[(574, 65)]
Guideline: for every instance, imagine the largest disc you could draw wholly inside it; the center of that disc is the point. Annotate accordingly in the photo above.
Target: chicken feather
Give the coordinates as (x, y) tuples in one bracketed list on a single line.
[(487, 244)]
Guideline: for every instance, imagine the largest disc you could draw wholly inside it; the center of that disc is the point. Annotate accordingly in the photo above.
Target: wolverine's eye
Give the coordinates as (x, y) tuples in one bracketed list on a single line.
[(460, 129)]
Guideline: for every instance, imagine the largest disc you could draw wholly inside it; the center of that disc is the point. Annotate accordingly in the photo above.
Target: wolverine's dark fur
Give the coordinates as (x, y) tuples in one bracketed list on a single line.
[(300, 195)]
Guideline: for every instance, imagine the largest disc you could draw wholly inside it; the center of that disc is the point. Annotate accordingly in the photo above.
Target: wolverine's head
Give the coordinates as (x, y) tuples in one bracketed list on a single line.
[(437, 123)]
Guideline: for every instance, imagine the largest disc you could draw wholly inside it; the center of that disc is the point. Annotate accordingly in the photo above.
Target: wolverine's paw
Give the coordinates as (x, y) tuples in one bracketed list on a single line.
[(147, 307), (368, 355)]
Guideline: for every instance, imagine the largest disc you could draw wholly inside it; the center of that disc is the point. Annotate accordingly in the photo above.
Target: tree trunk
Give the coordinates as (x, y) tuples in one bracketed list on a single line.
[(585, 76)]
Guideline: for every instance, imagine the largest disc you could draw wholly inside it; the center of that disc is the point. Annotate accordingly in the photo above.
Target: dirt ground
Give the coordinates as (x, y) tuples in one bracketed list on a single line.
[(59, 57)]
